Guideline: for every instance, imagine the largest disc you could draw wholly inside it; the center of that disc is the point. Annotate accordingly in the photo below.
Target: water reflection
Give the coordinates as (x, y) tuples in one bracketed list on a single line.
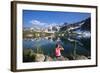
[(72, 44)]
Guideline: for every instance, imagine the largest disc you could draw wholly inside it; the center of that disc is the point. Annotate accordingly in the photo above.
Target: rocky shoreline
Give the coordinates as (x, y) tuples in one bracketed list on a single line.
[(30, 56)]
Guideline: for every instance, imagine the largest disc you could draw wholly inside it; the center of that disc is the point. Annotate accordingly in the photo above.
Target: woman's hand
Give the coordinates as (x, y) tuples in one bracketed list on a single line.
[(61, 48)]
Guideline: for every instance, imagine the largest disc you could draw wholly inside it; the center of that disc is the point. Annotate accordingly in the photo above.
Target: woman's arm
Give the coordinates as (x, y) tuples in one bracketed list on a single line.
[(61, 48)]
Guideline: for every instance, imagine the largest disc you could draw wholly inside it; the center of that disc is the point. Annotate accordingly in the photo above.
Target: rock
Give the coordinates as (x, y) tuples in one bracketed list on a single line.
[(48, 58), (61, 58), (81, 57), (66, 58), (89, 57), (39, 58)]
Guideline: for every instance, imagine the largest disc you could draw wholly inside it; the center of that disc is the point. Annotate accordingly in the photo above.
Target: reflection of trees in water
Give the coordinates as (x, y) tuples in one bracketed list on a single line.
[(72, 46), (76, 47), (86, 43)]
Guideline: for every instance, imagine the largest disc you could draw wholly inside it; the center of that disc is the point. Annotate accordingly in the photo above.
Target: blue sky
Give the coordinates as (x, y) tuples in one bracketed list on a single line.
[(45, 18)]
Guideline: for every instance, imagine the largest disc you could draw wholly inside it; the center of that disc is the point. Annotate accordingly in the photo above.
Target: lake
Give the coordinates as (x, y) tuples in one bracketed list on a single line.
[(72, 45)]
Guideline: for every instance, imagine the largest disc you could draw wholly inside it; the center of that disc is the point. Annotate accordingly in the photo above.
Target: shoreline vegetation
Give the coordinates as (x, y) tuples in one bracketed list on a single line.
[(38, 56)]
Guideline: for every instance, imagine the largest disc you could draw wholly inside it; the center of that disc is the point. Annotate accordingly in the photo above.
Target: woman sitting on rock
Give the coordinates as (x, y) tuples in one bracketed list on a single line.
[(58, 50)]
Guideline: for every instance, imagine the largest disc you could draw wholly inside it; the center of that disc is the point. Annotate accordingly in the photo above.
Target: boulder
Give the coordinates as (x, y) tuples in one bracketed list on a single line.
[(81, 57), (39, 58), (48, 58), (61, 58), (66, 58)]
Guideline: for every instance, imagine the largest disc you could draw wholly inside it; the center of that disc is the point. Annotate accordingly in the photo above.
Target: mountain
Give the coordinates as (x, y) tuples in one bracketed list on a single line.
[(84, 25), (87, 25)]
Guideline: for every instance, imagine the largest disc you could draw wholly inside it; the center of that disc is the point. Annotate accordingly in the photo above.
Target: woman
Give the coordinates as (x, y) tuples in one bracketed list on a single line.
[(58, 50)]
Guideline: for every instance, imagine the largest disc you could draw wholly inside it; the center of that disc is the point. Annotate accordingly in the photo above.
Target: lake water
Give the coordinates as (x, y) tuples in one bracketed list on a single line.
[(71, 45)]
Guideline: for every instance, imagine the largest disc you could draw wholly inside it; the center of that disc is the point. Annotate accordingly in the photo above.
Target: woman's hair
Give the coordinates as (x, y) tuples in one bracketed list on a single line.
[(57, 45)]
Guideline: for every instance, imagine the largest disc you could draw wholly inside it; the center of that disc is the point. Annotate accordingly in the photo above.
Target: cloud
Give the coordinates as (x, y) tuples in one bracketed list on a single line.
[(37, 23)]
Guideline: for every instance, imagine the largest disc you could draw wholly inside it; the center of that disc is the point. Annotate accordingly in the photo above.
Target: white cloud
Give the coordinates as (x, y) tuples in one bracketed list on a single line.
[(37, 23), (34, 22)]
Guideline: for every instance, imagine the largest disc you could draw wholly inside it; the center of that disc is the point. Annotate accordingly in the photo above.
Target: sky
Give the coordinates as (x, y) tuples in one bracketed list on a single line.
[(33, 18)]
